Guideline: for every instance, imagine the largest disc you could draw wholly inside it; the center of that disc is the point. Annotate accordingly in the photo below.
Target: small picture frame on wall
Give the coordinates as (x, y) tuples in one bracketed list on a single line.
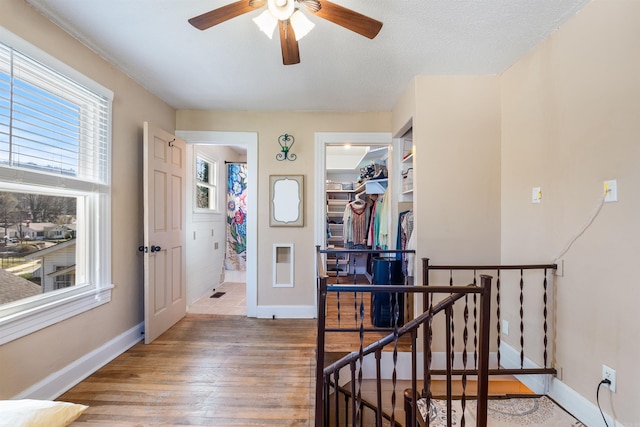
[(286, 200)]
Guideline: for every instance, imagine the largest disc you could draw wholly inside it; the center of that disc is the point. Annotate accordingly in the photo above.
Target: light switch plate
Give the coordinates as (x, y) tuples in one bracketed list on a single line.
[(536, 195), (611, 191)]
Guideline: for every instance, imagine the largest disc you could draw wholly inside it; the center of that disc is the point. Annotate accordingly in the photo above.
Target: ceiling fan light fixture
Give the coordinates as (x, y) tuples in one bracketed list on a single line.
[(281, 9), (266, 22), (301, 24)]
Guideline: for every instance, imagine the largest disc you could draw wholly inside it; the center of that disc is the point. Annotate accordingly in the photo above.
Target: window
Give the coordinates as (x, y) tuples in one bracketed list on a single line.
[(55, 130), (206, 197)]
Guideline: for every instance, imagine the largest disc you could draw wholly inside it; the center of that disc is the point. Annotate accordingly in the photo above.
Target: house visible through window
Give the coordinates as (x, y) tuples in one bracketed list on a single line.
[(54, 190), (39, 234), (206, 184)]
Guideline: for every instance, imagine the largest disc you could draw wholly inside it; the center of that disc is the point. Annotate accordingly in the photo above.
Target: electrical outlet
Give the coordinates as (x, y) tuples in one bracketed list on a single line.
[(215, 245), (611, 191), (609, 374)]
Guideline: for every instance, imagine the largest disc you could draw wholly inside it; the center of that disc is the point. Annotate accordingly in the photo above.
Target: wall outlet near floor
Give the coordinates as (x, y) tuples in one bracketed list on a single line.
[(609, 374), (215, 245)]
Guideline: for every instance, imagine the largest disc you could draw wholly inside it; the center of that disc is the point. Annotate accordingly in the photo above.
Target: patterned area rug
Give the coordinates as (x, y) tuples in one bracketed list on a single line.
[(530, 411)]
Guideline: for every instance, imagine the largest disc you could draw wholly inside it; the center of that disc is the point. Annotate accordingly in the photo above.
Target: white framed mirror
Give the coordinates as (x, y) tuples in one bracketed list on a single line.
[(286, 197)]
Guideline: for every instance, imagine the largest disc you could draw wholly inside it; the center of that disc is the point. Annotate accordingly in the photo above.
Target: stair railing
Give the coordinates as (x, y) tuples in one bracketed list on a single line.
[(527, 293), (327, 378)]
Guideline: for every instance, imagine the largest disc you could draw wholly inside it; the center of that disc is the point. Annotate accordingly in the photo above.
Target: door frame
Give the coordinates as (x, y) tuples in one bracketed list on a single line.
[(322, 139), (250, 141)]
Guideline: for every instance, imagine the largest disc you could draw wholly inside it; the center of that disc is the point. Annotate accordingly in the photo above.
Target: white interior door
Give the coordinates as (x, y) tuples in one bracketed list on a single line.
[(164, 181)]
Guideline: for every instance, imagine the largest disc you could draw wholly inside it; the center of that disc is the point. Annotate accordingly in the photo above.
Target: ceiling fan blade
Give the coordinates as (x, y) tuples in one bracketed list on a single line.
[(311, 5), (289, 44), (349, 19), (224, 13)]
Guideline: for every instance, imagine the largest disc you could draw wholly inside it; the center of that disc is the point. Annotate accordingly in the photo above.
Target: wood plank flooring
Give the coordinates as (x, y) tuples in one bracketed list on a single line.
[(208, 370), (347, 305), (213, 370)]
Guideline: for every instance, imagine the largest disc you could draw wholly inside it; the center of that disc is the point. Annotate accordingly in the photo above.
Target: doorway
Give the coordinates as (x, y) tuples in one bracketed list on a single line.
[(248, 141), (323, 140)]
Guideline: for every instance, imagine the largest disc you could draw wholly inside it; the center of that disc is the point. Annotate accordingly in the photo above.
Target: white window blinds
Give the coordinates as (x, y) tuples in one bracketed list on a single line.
[(49, 123)]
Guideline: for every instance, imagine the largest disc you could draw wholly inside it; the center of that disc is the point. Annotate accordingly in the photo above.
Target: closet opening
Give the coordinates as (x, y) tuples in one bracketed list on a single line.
[(357, 197), (346, 165)]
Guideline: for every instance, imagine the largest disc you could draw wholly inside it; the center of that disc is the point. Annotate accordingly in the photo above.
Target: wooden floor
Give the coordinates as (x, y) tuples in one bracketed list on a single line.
[(216, 370), (208, 370), (343, 312)]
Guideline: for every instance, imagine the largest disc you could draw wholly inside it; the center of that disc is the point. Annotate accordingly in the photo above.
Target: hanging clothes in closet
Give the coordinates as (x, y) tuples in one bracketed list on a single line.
[(405, 240), (405, 229), (379, 225), (355, 223)]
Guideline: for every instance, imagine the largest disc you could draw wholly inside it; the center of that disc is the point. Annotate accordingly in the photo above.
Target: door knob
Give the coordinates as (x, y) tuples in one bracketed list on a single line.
[(155, 248), (144, 249)]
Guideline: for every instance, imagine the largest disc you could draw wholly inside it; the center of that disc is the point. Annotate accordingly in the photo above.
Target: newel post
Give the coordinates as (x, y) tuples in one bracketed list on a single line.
[(483, 350)]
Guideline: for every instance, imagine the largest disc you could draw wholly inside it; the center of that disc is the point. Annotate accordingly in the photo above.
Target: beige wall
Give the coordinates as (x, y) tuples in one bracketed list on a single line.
[(270, 126), (456, 198), (570, 121), (28, 360), (456, 135)]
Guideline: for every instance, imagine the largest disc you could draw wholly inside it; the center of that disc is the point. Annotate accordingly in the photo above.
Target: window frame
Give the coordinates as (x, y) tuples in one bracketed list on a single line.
[(214, 174), (25, 316)]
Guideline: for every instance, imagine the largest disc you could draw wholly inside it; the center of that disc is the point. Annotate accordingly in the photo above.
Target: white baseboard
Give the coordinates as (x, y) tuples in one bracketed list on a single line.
[(286, 312), (59, 382), (572, 401), (510, 359)]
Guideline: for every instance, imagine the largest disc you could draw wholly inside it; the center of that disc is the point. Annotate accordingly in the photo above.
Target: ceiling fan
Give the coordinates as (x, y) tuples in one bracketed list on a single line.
[(292, 24)]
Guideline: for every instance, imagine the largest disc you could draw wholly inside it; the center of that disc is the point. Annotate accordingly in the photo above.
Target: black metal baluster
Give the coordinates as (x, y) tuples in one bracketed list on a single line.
[(395, 313), (355, 294), (544, 312), (452, 323), (449, 320), (429, 354), (465, 337), (327, 400), (354, 398), (361, 360), (378, 388), (498, 327), (337, 283), (475, 323), (521, 318)]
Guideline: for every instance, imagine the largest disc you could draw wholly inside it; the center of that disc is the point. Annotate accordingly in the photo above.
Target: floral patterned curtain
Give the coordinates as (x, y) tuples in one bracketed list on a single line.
[(236, 256)]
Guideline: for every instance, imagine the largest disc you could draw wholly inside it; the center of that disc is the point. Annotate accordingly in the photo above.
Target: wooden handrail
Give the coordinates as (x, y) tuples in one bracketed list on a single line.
[(493, 267)]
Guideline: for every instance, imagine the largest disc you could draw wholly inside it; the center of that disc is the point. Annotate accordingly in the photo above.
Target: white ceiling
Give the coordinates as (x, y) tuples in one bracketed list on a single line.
[(233, 66)]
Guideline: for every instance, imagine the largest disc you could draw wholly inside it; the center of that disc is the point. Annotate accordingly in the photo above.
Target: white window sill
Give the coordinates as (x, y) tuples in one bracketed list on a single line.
[(18, 320)]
